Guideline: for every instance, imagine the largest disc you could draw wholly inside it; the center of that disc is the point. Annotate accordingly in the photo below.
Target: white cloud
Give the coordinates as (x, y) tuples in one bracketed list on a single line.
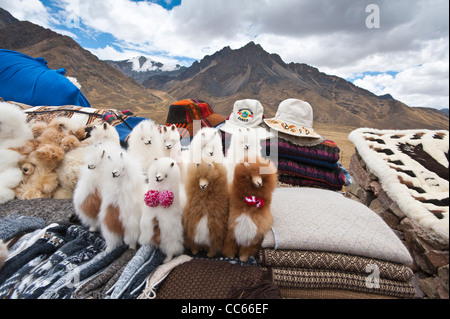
[(330, 35), (29, 10), (423, 85)]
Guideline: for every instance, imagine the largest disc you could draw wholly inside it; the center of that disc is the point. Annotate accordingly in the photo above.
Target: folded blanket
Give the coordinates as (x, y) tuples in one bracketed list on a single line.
[(323, 220), (333, 261), (334, 178), (305, 293), (95, 286), (213, 279), (327, 151), (334, 279), (300, 181)]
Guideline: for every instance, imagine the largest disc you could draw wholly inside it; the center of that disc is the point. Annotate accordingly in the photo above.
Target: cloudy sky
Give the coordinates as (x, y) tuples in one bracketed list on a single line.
[(400, 47)]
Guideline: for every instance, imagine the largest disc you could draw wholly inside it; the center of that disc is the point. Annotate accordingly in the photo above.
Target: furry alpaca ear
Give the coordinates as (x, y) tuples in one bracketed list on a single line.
[(172, 164), (173, 127), (155, 158), (165, 128), (105, 126)]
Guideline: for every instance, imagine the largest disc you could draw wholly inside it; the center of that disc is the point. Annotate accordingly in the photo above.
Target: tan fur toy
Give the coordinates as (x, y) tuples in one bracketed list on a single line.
[(40, 179), (250, 216), (44, 154), (205, 216)]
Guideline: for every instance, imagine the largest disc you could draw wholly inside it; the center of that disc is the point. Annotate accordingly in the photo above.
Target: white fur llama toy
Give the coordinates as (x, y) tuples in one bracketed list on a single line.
[(161, 222)]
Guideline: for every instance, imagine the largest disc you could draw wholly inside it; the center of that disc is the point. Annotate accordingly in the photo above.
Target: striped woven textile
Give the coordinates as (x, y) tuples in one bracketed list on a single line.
[(334, 279), (333, 261)]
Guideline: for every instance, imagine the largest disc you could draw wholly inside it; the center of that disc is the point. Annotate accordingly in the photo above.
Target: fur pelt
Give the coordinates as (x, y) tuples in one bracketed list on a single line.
[(205, 216), (14, 133), (162, 226), (247, 225)]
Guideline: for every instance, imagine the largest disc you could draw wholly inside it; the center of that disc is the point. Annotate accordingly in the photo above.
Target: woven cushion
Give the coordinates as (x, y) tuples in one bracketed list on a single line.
[(323, 220)]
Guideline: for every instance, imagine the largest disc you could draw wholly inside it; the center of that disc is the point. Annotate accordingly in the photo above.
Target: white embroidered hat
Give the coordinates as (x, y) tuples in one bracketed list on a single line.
[(247, 113), (294, 117)]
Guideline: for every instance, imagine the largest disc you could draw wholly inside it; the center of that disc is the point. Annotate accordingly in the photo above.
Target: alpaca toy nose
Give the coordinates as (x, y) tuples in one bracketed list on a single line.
[(246, 147), (203, 186), (115, 174), (169, 146), (211, 153), (158, 178), (91, 166), (148, 142)]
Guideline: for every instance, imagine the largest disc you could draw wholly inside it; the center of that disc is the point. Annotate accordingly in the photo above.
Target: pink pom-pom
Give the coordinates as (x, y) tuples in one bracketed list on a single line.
[(166, 198), (151, 198)]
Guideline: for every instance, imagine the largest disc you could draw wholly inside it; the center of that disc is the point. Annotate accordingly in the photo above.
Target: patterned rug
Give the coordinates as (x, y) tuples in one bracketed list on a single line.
[(412, 167)]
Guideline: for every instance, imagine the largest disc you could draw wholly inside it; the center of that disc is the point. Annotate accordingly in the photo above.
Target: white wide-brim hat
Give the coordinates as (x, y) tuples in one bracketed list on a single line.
[(294, 117), (247, 113)]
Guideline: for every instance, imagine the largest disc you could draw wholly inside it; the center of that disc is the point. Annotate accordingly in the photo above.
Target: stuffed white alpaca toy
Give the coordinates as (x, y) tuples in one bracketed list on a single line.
[(161, 222), (69, 169), (206, 146), (14, 133), (87, 198), (244, 144), (145, 143), (121, 208)]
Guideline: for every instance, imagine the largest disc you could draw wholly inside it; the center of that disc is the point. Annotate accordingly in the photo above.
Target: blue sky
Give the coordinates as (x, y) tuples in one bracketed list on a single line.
[(401, 48)]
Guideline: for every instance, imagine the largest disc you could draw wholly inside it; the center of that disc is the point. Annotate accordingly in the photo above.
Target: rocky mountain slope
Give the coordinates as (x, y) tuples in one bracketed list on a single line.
[(251, 72)]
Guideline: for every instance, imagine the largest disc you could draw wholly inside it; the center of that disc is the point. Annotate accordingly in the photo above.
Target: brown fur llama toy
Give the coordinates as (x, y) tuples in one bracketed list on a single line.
[(250, 216), (205, 216)]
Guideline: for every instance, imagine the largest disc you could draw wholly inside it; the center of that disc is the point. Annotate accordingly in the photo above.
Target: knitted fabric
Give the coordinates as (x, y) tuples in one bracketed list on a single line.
[(14, 224), (138, 281), (20, 265), (208, 279), (145, 259), (285, 258), (158, 276), (44, 245), (39, 278), (327, 151), (27, 240), (333, 279), (94, 286), (292, 180), (334, 178), (72, 280)]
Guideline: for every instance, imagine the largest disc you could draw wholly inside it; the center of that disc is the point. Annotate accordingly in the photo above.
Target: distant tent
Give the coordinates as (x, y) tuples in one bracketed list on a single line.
[(29, 80)]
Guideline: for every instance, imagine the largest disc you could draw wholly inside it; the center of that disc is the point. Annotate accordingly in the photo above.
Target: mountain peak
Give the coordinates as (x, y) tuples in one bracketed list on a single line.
[(6, 18)]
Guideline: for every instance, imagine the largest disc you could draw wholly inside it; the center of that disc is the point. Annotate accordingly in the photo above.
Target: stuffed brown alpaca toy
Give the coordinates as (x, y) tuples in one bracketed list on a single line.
[(250, 216), (205, 216)]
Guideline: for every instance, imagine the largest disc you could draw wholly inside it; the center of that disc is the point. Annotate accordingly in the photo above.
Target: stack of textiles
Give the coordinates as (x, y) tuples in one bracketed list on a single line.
[(67, 261), (323, 245), (312, 166)]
